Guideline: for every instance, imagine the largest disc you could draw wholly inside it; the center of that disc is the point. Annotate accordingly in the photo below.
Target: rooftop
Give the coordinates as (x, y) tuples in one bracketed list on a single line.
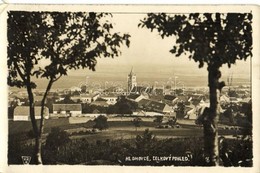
[(25, 111), (66, 107)]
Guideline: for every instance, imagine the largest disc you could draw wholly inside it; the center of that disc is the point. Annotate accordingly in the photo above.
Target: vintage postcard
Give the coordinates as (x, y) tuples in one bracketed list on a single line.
[(144, 88)]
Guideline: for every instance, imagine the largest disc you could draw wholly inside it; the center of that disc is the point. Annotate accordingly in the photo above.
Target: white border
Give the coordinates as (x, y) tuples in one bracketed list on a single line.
[(132, 2), (125, 8)]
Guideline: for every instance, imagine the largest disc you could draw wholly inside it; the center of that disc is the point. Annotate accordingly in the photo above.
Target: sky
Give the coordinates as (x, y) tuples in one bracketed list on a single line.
[(150, 59), (147, 49)]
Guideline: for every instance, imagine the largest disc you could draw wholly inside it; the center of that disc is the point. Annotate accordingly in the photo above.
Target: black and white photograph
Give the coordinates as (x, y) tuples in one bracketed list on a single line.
[(131, 86)]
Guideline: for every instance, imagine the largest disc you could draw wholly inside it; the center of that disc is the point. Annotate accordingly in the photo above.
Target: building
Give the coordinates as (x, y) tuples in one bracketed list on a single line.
[(118, 90), (135, 97), (85, 98), (67, 109), (111, 100), (158, 91), (100, 102), (143, 103), (192, 112), (141, 90), (159, 107), (224, 99), (171, 99), (133, 88), (154, 106), (184, 99), (74, 88), (144, 114), (22, 113), (131, 81)]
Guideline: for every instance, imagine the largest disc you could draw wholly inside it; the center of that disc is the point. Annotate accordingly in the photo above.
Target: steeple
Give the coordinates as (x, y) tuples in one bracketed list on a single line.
[(131, 80), (131, 72)]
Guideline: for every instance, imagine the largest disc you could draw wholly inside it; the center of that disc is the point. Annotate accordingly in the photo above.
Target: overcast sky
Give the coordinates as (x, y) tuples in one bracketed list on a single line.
[(148, 49)]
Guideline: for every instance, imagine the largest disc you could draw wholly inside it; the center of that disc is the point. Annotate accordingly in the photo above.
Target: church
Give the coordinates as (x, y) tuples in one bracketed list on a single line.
[(133, 88), (131, 81)]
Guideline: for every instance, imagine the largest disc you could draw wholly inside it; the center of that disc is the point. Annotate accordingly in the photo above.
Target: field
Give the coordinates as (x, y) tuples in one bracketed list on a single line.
[(118, 129), (122, 139)]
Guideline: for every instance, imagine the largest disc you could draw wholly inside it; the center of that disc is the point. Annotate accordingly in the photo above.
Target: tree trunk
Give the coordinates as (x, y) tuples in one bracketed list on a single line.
[(37, 152), (38, 146), (211, 122), (38, 142), (31, 109)]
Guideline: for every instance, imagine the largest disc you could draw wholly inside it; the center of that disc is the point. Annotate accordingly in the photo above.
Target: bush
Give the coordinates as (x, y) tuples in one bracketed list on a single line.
[(30, 134), (101, 122), (56, 139)]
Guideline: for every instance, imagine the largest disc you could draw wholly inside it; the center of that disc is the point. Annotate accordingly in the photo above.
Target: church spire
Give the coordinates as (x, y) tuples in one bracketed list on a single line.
[(131, 80), (131, 72)]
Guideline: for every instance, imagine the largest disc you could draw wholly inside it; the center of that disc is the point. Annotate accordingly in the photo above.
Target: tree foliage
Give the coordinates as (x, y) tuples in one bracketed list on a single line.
[(49, 44), (158, 119), (66, 40), (122, 106), (145, 142), (91, 108), (56, 138), (213, 39), (137, 122), (101, 122), (180, 111)]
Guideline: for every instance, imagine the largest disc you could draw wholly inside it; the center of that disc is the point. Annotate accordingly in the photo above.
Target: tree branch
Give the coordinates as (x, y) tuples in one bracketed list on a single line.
[(19, 71)]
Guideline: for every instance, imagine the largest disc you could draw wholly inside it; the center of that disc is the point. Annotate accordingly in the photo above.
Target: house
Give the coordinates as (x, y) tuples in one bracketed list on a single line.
[(158, 98), (158, 91), (224, 99), (234, 100), (242, 93), (144, 113), (184, 99), (150, 105), (74, 88), (159, 107), (100, 102), (85, 98), (95, 96), (115, 90), (67, 109), (111, 98), (76, 99), (141, 89), (170, 99), (22, 113), (143, 103), (192, 112), (204, 103), (136, 97), (246, 100)]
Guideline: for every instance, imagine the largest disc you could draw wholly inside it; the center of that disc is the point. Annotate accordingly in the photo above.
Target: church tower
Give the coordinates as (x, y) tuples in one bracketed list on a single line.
[(131, 81)]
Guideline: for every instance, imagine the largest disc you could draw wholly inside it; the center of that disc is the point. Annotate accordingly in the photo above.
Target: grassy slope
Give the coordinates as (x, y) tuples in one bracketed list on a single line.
[(117, 129)]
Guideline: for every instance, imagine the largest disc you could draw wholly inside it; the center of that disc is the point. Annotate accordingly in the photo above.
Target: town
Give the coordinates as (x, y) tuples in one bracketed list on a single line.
[(183, 105), (116, 115)]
